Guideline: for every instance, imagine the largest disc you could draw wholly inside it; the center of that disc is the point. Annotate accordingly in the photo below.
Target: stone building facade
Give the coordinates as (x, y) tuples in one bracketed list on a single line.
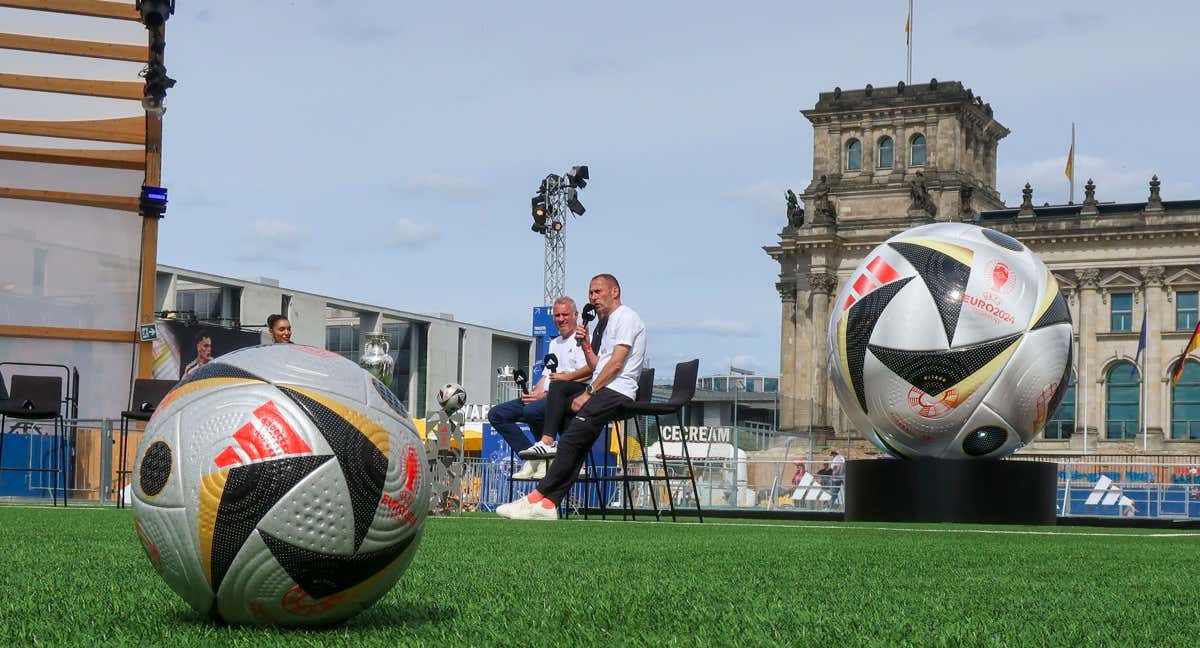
[(887, 159)]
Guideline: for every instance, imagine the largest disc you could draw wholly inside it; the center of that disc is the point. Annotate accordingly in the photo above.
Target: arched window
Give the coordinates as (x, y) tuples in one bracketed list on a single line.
[(1122, 401), (1062, 422), (916, 147), (853, 155), (1185, 403), (886, 151)]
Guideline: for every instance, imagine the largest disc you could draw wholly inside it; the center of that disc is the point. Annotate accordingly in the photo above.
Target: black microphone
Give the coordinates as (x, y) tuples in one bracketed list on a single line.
[(146, 406), (589, 314), (550, 362), (521, 379)]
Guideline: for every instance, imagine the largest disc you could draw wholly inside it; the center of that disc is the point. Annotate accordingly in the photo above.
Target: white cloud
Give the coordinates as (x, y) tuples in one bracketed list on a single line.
[(721, 328), (443, 184), (275, 230), (1114, 183), (409, 233)]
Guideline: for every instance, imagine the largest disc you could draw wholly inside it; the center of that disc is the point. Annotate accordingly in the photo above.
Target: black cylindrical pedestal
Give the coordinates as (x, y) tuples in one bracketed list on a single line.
[(951, 490)]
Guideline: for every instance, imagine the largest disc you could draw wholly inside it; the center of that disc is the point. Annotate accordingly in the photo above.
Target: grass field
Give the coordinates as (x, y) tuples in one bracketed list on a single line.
[(78, 577)]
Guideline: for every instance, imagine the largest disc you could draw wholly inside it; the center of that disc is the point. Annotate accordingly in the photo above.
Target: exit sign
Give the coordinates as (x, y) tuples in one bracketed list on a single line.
[(148, 332)]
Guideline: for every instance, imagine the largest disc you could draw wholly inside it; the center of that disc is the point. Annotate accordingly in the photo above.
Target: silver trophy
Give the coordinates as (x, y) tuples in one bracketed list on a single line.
[(376, 358)]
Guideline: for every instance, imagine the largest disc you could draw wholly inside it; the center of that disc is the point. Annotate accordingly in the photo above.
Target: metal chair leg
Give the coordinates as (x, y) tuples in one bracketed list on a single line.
[(63, 454), (646, 467), (687, 459)]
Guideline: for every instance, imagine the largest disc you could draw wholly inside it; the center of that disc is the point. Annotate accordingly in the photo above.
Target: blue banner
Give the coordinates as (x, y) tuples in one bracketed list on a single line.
[(543, 331)]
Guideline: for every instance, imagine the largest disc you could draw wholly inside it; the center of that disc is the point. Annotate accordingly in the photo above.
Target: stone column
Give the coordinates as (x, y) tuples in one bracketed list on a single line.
[(787, 356), (1087, 389), (821, 286), (837, 152), (1157, 398), (802, 360)]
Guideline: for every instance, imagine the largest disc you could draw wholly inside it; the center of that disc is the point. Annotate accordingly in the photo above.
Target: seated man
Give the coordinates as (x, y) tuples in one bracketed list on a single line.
[(531, 408), (613, 387)]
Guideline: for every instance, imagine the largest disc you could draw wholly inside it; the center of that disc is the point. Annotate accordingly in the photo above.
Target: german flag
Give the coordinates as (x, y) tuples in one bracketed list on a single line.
[(1192, 345)]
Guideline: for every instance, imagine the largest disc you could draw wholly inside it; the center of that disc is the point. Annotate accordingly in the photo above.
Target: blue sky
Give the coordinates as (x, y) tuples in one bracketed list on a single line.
[(385, 152)]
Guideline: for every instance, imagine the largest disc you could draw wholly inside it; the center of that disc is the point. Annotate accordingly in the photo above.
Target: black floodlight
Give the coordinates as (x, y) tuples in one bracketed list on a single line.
[(153, 202), (157, 83), (155, 12), (578, 176), (556, 226), (573, 203), (538, 210)]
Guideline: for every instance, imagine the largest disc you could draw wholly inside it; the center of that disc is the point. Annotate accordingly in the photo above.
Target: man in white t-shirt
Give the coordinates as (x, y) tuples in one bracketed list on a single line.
[(531, 408), (613, 387)]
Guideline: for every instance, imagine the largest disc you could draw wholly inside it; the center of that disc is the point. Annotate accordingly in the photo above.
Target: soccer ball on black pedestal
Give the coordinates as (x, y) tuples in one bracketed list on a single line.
[(280, 485), (950, 340)]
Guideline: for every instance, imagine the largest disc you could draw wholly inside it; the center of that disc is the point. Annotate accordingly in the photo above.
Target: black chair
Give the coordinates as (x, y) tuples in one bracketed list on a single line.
[(682, 392), (147, 394), (645, 390), (38, 398)]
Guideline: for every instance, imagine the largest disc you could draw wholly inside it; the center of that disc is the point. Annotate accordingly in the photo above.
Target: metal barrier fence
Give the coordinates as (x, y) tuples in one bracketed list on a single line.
[(1164, 487)]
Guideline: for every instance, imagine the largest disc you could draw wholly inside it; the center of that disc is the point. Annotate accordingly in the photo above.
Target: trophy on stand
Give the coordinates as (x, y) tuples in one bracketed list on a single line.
[(376, 359), (444, 446)]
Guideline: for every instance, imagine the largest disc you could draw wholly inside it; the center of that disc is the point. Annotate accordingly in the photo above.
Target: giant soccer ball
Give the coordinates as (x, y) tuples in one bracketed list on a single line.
[(280, 484), (950, 340)]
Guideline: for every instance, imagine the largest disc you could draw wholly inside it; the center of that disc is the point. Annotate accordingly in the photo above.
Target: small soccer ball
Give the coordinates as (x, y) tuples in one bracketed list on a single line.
[(950, 340), (280, 485), (451, 397)]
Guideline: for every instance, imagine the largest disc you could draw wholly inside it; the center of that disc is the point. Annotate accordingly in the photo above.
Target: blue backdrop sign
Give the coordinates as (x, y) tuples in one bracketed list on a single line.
[(543, 331)]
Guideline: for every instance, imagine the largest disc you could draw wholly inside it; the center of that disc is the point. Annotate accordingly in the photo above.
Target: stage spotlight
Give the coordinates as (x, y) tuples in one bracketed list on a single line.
[(573, 203), (538, 210), (157, 83), (556, 226), (155, 12), (578, 176)]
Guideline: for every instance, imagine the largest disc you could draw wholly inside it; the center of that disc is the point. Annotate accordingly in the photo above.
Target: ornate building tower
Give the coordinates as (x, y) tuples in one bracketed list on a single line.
[(884, 160)]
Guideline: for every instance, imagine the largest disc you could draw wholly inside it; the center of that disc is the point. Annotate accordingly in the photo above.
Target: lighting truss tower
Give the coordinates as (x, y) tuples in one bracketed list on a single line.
[(558, 196)]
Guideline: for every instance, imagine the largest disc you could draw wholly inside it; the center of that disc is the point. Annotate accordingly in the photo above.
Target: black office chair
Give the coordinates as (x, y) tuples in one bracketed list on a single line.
[(147, 394), (38, 398), (681, 395)]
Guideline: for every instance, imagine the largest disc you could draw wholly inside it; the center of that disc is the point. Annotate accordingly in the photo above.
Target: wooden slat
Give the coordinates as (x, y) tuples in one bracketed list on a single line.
[(84, 87), (103, 201), (94, 8), (132, 159), (91, 49), (125, 130), (149, 259), (58, 333)]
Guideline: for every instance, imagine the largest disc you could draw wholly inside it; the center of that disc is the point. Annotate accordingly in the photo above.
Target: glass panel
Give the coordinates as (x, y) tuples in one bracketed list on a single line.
[(1185, 403), (1062, 424), (104, 369), (771, 385), (1122, 311), (854, 155), (1186, 309), (1122, 402), (719, 384), (885, 153), (68, 266), (918, 150)]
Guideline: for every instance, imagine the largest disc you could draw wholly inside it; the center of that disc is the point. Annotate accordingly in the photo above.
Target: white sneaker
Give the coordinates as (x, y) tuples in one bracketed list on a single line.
[(503, 509), (522, 509), (527, 470), (539, 450), (540, 471)]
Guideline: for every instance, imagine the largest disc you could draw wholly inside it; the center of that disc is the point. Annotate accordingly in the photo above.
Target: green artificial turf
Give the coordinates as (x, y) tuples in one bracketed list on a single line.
[(78, 577)]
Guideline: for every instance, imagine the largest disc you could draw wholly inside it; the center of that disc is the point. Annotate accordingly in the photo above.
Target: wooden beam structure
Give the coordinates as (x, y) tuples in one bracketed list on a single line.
[(132, 159), (94, 8), (84, 87), (149, 262), (90, 49), (124, 130), (58, 333), (102, 201)]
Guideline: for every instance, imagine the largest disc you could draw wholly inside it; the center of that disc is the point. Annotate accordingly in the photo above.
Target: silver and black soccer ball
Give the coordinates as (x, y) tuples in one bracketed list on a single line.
[(280, 485), (451, 397), (950, 340)]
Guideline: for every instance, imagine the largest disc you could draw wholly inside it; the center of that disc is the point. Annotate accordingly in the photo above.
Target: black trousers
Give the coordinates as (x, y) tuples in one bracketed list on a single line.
[(558, 406), (602, 408)]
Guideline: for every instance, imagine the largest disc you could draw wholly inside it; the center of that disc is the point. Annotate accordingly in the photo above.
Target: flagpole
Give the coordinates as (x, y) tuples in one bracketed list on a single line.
[(909, 25), (1072, 162), (1085, 393)]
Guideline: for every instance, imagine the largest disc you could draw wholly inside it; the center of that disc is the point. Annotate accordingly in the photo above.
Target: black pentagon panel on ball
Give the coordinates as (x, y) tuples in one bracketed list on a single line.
[(860, 323), (944, 276), (1003, 240), (984, 440), (363, 465), (156, 468), (250, 491), (1057, 313), (217, 370), (936, 371), (321, 574), (387, 395)]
